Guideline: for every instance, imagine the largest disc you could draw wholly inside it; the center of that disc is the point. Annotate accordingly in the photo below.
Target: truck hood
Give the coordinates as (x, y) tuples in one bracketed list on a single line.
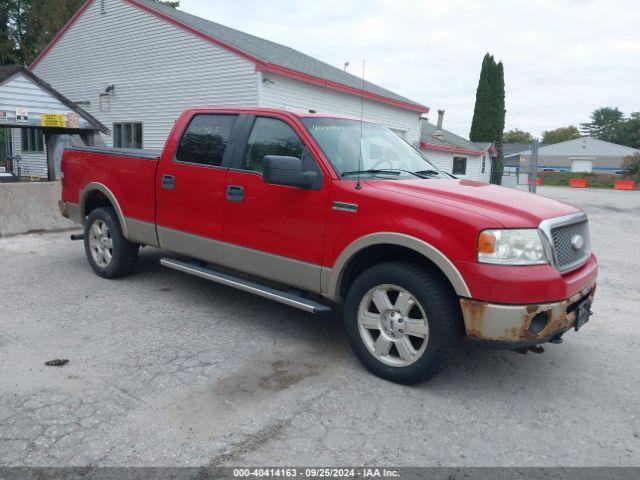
[(512, 208)]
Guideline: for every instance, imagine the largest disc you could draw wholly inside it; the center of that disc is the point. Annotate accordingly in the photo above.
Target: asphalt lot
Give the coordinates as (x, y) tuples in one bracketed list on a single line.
[(166, 369)]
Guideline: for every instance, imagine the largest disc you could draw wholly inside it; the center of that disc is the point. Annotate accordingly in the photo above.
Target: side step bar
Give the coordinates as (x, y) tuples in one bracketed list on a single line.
[(287, 298)]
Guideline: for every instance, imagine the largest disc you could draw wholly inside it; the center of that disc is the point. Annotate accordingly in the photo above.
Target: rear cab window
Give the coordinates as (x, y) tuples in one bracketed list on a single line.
[(205, 140)]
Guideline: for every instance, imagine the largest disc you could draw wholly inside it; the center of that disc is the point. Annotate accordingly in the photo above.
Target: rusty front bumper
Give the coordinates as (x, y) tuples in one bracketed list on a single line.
[(511, 326)]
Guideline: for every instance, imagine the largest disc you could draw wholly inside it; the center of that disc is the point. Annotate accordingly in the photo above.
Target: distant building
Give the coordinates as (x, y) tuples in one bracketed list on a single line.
[(455, 154), (512, 151), (584, 154)]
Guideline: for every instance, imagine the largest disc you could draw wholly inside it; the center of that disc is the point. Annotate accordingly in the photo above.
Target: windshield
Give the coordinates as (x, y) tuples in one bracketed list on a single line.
[(355, 147)]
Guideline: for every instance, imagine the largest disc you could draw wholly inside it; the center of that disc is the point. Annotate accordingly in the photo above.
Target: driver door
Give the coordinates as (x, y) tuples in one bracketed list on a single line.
[(273, 231)]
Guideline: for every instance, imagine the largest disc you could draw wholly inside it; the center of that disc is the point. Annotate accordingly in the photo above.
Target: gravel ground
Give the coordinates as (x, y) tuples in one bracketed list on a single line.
[(166, 369)]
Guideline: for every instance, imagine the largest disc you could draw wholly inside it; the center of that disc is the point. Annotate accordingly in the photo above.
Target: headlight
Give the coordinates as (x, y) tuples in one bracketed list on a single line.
[(511, 247)]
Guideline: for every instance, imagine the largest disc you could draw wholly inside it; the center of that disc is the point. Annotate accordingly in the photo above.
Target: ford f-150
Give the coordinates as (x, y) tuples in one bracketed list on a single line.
[(324, 213)]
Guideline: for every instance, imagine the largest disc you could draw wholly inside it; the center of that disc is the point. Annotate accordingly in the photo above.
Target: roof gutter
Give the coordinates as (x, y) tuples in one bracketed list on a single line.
[(432, 146), (306, 78)]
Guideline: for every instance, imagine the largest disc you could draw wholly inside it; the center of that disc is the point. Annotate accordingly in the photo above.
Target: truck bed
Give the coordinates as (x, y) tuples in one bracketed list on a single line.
[(125, 152), (127, 174)]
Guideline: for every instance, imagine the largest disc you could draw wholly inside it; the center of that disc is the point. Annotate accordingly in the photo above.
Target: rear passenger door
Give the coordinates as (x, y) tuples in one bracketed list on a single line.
[(274, 231), (190, 195)]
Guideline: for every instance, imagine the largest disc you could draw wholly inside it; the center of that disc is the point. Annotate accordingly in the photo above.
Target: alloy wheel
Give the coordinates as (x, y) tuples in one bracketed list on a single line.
[(393, 325)]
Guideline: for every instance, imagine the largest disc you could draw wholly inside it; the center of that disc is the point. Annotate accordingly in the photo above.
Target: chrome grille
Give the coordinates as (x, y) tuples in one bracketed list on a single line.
[(566, 239)]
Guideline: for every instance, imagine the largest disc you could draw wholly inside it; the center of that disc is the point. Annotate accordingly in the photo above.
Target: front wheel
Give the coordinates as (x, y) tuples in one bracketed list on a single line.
[(108, 252), (402, 322)]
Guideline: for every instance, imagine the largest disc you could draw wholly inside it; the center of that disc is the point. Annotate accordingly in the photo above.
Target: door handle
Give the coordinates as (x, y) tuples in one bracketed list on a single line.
[(168, 182), (235, 193)]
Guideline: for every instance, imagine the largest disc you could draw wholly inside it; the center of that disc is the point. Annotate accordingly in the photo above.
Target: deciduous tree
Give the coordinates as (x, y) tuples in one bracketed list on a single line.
[(631, 164), (27, 26), (561, 134), (517, 136)]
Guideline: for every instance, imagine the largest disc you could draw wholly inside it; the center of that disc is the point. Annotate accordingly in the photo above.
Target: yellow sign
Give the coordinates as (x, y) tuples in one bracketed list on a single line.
[(53, 120)]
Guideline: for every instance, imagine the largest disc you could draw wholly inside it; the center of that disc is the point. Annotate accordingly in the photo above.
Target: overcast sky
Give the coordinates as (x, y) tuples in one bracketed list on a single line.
[(562, 58)]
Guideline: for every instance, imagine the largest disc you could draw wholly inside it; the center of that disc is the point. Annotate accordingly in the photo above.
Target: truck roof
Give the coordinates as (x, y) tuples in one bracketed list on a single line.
[(258, 110)]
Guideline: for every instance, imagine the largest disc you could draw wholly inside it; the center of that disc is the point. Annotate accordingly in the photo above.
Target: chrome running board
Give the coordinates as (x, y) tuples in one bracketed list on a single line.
[(286, 298)]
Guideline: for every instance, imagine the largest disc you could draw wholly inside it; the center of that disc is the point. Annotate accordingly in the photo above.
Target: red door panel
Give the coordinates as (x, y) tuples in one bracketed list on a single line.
[(280, 220)]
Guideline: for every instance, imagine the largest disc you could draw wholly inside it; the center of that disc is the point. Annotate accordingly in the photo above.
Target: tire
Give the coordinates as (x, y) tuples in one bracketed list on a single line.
[(415, 297), (108, 252)]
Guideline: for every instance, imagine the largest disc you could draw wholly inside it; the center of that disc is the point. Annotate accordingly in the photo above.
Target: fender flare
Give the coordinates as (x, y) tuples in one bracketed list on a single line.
[(332, 278), (95, 186)]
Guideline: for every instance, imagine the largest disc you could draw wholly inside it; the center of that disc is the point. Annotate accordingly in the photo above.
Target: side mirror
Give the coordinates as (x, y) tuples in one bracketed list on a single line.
[(279, 170)]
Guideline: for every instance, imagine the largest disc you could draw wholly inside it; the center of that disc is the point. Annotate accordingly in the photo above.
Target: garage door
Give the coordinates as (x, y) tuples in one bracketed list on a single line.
[(581, 165)]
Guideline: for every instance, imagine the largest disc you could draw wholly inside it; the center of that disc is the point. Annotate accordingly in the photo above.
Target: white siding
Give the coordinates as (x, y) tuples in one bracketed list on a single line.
[(444, 161), (31, 163), (158, 69), (20, 91), (289, 93)]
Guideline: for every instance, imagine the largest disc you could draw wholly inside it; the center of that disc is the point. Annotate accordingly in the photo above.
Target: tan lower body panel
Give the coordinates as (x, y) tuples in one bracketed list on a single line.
[(510, 323), (288, 271), (136, 230), (141, 232), (205, 249)]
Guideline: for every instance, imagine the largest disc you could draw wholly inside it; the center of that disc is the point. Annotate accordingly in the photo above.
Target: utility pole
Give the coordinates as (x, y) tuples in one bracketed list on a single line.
[(534, 166)]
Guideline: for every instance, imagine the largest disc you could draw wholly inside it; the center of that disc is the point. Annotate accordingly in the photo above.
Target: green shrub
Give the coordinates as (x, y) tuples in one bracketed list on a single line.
[(594, 179)]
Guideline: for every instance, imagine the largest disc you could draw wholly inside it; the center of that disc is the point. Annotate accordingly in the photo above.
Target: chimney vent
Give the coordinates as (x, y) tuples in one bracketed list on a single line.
[(440, 117)]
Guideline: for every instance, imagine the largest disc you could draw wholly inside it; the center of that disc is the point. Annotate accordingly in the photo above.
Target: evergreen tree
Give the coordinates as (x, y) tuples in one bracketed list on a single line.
[(606, 124), (501, 112), (489, 112), (482, 127)]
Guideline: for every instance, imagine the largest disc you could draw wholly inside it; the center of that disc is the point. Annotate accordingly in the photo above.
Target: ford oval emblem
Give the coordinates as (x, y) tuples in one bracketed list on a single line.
[(577, 242)]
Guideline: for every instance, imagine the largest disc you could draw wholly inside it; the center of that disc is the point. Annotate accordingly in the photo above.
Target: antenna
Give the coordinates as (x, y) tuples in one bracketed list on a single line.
[(360, 166)]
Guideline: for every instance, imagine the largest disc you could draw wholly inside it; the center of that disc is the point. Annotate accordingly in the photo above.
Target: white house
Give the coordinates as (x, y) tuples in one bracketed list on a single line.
[(30, 112), (136, 64), (455, 154)]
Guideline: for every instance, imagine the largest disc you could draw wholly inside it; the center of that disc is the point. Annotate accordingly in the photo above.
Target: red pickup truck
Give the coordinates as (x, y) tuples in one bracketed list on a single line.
[(321, 212)]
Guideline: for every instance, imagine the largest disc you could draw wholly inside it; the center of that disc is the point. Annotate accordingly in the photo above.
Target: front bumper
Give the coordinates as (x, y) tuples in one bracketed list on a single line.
[(513, 326)]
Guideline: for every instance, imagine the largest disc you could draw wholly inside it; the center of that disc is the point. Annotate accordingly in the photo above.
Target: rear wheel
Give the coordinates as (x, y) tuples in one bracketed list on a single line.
[(108, 252), (402, 322)]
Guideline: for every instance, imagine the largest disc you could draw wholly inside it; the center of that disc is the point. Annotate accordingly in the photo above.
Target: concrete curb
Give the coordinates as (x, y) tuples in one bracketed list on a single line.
[(31, 208)]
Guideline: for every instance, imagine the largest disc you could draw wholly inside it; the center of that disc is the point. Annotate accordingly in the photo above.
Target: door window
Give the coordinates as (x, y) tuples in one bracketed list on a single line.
[(206, 139), (270, 137)]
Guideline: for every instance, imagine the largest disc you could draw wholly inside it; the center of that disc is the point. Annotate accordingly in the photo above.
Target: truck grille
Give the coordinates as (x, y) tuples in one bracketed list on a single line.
[(569, 251)]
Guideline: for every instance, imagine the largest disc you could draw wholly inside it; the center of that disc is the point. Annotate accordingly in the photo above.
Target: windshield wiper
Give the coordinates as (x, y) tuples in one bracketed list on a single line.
[(390, 171)]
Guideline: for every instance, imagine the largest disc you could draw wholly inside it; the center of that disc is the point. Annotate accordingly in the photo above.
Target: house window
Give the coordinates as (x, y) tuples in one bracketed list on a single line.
[(459, 166), (127, 135), (483, 168), (32, 140), (401, 133)]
